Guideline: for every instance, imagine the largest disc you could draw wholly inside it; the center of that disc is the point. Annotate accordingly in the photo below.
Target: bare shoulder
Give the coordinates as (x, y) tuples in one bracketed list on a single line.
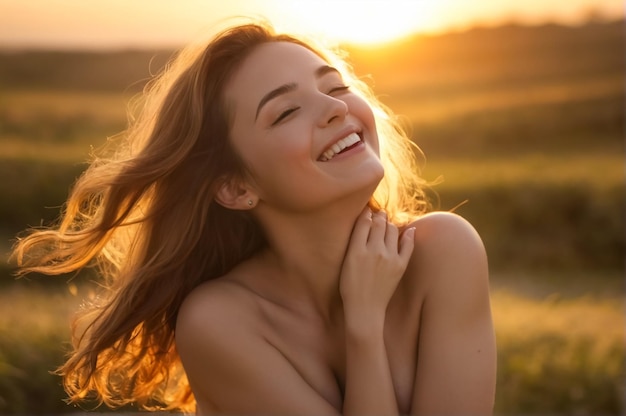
[(230, 364), (213, 332), (213, 303), (456, 374), (445, 228), (214, 318), (448, 248)]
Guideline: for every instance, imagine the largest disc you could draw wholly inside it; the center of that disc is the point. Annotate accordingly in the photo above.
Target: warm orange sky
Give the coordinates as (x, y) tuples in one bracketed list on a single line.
[(158, 23)]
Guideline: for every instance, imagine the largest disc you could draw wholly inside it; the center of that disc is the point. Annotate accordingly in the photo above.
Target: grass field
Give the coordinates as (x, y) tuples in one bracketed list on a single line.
[(559, 351), (559, 355), (524, 125)]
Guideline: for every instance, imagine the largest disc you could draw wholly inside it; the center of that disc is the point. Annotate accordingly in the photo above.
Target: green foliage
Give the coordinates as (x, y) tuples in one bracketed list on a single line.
[(559, 355), (25, 373), (547, 226), (576, 125), (33, 192), (43, 127), (557, 374), (79, 71), (33, 332)]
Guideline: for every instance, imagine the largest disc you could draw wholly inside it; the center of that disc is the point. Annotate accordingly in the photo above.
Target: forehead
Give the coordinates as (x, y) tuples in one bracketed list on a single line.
[(276, 59), (269, 66)]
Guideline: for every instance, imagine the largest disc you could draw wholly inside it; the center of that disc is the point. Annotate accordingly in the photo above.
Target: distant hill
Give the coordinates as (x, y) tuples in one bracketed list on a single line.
[(80, 70), (494, 57), (477, 58)]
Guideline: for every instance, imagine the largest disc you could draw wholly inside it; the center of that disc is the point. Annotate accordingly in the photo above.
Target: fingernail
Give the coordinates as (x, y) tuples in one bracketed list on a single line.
[(410, 232)]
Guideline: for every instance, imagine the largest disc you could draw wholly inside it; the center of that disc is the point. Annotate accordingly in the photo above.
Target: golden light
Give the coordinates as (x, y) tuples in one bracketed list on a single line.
[(360, 22), (156, 24)]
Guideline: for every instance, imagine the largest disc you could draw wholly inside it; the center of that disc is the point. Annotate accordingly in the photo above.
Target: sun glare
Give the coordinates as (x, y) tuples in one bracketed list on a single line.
[(360, 22)]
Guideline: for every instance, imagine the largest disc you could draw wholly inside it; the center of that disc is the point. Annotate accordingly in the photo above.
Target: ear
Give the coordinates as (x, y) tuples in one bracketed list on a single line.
[(234, 194)]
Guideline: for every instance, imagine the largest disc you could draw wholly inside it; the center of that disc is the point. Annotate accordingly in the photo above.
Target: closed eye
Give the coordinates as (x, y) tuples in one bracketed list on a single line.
[(284, 114), (339, 89)]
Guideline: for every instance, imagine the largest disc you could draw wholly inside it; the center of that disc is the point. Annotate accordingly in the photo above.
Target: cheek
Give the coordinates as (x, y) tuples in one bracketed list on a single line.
[(276, 158), (360, 108)]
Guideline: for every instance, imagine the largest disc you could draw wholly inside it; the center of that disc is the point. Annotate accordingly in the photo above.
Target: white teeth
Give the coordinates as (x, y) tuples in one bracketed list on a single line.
[(339, 146)]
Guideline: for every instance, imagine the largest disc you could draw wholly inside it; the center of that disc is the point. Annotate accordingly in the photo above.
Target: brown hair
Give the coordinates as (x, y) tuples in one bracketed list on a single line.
[(146, 216)]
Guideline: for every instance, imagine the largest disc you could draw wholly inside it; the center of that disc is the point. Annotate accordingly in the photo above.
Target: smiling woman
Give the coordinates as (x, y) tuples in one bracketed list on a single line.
[(263, 233)]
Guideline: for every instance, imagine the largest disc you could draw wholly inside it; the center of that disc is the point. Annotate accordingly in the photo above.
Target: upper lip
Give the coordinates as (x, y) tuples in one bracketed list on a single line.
[(345, 132)]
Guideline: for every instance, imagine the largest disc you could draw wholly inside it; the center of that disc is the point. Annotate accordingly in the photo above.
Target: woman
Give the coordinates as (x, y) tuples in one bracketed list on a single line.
[(263, 225)]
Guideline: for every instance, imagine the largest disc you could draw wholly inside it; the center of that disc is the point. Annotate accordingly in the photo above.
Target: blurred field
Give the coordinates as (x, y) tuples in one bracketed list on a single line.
[(559, 353), (524, 125)]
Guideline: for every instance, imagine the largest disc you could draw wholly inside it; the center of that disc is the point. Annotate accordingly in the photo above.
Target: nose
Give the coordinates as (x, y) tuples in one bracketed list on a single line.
[(332, 109)]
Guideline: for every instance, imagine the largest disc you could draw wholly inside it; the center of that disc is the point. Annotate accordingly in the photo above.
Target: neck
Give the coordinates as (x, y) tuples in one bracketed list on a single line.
[(305, 253)]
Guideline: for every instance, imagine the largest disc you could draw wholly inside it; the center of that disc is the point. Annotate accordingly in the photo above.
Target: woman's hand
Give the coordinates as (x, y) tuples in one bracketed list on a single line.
[(375, 261)]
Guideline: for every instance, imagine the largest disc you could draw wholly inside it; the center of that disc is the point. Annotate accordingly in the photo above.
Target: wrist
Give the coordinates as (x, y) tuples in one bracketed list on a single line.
[(366, 324)]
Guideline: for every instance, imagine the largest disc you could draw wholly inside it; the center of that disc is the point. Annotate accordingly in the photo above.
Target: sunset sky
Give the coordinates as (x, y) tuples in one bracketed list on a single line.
[(100, 24)]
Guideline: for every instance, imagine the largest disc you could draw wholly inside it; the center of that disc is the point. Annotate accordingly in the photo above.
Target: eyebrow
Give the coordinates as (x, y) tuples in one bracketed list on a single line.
[(284, 89)]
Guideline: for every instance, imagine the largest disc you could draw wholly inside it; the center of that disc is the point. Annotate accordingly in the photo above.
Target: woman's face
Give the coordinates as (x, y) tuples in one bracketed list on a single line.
[(306, 139)]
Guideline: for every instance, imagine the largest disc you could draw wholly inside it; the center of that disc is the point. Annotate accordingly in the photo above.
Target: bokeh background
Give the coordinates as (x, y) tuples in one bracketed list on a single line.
[(518, 107)]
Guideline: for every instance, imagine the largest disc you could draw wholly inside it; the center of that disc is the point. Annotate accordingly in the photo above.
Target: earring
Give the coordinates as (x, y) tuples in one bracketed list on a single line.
[(250, 202)]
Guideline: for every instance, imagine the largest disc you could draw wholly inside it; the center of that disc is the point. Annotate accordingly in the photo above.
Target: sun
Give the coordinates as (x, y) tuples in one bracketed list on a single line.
[(358, 22)]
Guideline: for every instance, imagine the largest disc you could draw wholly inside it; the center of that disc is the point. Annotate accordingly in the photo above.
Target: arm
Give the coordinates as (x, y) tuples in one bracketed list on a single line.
[(457, 355), (374, 264)]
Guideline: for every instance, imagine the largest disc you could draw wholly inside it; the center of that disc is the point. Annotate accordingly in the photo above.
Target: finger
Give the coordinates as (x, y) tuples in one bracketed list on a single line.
[(407, 243), (391, 237), (362, 227), (379, 228)]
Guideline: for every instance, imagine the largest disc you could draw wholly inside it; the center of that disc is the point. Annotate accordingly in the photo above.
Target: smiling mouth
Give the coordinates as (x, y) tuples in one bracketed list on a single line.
[(342, 145)]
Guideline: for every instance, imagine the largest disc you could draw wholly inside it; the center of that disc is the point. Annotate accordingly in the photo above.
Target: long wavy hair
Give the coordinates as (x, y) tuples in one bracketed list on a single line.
[(145, 215)]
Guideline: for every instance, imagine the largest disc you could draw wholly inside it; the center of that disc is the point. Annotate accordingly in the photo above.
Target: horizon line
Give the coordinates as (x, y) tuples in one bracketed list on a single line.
[(174, 46)]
